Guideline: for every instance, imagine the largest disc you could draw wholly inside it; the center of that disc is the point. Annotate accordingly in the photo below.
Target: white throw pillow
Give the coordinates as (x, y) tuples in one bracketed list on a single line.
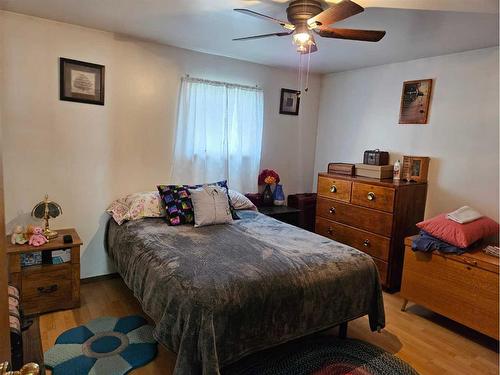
[(210, 206), (240, 202)]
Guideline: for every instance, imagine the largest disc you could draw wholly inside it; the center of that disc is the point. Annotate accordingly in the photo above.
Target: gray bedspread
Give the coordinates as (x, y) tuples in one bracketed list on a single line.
[(220, 292)]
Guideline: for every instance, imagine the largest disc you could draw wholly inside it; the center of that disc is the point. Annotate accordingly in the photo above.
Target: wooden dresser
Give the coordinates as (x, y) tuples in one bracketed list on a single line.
[(373, 216), (461, 287)]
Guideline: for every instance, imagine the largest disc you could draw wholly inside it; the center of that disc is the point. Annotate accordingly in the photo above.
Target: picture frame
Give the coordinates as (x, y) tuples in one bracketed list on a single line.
[(81, 81), (415, 101), (415, 168), (289, 102)]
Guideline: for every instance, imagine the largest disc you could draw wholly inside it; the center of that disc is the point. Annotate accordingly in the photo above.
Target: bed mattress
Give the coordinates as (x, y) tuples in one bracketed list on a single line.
[(218, 293)]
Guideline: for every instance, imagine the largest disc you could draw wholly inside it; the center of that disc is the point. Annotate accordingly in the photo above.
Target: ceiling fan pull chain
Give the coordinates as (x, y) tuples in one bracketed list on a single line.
[(301, 75), (298, 75), (306, 89)]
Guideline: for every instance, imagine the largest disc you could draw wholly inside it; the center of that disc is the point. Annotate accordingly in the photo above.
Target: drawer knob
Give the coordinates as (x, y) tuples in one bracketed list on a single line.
[(371, 196), (366, 243), (330, 230), (332, 210), (47, 290), (333, 189), (471, 262)]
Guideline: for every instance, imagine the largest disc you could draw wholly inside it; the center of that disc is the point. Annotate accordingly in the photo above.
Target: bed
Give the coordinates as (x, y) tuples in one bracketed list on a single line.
[(218, 293)]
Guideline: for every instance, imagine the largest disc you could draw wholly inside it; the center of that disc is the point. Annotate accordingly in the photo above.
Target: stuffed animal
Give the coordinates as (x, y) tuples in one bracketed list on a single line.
[(37, 238), (17, 236)]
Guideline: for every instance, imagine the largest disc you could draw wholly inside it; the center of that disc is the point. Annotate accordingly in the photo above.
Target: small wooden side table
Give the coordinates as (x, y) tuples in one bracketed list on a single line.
[(285, 214), (47, 287)]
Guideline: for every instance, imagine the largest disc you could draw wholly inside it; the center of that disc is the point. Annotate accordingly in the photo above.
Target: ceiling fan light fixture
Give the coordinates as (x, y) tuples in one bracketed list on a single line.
[(302, 38), (302, 49)]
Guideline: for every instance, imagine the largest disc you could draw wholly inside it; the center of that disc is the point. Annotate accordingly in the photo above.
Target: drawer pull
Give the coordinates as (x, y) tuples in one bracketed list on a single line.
[(366, 243), (332, 210), (371, 196), (471, 262), (330, 230), (47, 290), (333, 189)]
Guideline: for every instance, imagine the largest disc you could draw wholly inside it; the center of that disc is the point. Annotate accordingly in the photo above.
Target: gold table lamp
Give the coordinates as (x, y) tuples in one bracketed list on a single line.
[(46, 210)]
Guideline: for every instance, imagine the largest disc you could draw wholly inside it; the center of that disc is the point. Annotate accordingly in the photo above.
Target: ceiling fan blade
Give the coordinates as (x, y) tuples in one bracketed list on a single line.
[(249, 12), (263, 36), (335, 13), (363, 35)]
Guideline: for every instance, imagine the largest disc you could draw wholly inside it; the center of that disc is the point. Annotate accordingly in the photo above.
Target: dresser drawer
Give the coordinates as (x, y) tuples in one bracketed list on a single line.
[(359, 217), (377, 197), (44, 290), (333, 188), (372, 244)]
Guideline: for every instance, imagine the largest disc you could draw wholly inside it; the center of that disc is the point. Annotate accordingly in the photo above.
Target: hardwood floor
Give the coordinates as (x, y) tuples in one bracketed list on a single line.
[(431, 343)]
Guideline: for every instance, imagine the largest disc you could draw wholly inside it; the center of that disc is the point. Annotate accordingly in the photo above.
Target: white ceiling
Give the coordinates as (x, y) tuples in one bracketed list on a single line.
[(415, 28)]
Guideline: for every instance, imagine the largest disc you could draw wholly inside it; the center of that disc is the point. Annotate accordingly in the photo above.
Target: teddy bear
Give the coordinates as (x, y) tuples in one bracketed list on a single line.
[(17, 236), (37, 238)]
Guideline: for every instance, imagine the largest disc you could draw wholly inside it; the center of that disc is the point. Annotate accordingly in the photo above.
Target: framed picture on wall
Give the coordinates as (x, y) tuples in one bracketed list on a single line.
[(415, 100), (289, 102), (81, 81)]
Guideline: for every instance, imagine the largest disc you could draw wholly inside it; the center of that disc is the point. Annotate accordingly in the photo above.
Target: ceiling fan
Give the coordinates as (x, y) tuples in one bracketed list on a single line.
[(306, 17)]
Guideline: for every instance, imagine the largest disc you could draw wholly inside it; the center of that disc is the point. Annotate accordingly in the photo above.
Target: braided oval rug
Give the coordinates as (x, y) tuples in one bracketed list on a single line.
[(322, 355)]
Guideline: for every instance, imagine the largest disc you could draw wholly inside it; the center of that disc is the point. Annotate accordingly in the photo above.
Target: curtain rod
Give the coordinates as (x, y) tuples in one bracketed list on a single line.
[(194, 79)]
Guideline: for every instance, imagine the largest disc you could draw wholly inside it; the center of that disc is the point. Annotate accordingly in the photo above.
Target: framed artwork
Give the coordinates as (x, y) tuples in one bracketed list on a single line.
[(415, 100), (289, 102), (81, 81)]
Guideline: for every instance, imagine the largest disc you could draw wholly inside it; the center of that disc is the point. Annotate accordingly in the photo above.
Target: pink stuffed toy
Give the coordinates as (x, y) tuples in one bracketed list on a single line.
[(37, 238)]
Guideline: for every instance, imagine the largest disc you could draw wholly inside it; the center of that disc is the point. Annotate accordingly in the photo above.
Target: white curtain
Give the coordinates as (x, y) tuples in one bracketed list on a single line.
[(219, 134)]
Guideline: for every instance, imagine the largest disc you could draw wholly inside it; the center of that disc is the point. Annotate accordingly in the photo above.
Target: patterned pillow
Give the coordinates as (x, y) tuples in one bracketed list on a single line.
[(136, 206), (240, 202), (178, 205)]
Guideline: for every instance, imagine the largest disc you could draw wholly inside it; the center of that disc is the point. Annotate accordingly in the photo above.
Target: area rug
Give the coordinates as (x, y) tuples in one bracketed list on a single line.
[(322, 355), (104, 346)]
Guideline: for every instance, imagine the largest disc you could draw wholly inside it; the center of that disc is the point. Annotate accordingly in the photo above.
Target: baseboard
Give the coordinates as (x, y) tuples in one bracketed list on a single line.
[(99, 278)]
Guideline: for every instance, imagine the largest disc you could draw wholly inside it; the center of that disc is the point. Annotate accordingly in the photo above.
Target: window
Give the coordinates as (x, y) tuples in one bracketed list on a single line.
[(219, 134)]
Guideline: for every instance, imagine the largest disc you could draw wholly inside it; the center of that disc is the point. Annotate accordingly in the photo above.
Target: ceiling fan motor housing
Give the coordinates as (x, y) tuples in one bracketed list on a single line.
[(299, 11)]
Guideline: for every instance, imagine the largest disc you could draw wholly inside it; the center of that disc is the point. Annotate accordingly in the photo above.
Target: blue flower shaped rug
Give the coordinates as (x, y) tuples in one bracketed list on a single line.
[(103, 346)]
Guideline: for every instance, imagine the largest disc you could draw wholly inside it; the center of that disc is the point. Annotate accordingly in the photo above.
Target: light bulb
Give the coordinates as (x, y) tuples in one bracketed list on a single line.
[(301, 39)]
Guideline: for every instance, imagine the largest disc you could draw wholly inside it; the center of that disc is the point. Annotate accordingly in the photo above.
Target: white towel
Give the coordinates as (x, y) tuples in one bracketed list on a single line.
[(492, 250), (464, 215)]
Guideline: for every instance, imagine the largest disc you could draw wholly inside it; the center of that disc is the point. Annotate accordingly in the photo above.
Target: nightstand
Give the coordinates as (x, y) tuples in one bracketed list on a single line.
[(285, 214), (47, 287)]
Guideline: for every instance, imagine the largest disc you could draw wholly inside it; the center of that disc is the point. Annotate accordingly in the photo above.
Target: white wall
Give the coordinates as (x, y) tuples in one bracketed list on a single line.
[(85, 155), (359, 110)]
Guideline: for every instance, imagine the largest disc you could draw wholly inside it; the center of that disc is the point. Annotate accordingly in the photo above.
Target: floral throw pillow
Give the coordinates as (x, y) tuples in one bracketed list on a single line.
[(178, 204), (136, 206)]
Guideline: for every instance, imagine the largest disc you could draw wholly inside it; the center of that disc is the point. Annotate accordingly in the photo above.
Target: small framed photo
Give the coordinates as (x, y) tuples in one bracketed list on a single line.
[(81, 81), (289, 102), (415, 168)]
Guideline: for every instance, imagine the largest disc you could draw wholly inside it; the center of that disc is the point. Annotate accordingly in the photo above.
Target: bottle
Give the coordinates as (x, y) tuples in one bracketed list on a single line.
[(279, 195), (396, 175)]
